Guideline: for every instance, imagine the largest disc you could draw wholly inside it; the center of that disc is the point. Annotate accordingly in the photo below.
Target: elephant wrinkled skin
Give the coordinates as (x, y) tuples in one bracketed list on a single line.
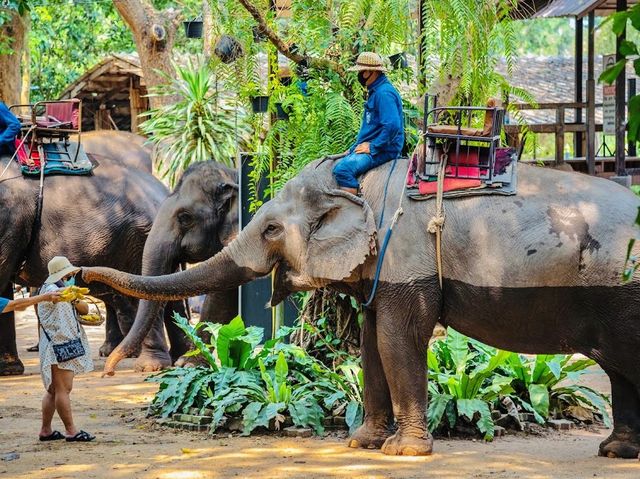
[(194, 223), (536, 273), (99, 219)]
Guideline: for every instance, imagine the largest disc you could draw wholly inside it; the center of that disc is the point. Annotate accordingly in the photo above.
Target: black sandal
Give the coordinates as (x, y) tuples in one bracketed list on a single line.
[(54, 436), (82, 436)]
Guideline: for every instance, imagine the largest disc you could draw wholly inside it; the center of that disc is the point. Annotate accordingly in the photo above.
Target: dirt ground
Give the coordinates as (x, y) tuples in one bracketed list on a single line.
[(128, 446)]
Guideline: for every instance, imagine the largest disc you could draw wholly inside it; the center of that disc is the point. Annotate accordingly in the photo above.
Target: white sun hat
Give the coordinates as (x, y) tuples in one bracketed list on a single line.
[(59, 267)]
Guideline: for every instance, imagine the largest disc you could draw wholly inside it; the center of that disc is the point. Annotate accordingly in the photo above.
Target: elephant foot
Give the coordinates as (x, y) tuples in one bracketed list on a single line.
[(11, 365), (402, 445), (186, 361), (369, 437), (623, 445), (152, 360)]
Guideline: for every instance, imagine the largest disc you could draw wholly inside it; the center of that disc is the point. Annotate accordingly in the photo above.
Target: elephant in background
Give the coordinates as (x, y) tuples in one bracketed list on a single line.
[(534, 273), (100, 219), (194, 223)]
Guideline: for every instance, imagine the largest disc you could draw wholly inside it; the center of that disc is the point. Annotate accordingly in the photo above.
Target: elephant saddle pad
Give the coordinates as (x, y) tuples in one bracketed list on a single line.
[(465, 177), (59, 158)]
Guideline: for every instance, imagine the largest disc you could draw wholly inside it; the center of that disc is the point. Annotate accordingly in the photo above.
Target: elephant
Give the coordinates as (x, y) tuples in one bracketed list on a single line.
[(127, 148), (539, 272), (192, 225), (99, 219)]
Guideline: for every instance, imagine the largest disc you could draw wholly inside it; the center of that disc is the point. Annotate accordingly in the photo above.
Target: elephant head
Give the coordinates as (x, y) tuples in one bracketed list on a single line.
[(312, 234), (194, 223)]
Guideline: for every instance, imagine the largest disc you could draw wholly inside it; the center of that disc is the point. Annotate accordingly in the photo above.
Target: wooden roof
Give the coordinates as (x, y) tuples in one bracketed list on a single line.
[(579, 8), (108, 80)]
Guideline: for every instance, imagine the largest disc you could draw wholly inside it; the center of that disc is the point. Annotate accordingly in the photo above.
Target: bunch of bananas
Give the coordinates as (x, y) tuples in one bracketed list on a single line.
[(92, 318), (73, 293)]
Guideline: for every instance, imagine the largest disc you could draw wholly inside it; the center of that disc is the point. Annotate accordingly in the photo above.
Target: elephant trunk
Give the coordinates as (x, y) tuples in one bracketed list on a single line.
[(216, 274), (160, 257)]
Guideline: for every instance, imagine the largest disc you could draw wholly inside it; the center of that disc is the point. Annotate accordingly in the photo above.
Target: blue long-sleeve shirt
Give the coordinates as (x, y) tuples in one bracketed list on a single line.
[(382, 122), (9, 129)]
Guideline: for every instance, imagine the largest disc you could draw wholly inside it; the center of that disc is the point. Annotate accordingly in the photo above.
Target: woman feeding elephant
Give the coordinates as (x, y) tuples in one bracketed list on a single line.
[(64, 352)]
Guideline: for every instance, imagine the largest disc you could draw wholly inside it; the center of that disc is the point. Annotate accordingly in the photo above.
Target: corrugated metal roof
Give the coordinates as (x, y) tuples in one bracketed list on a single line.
[(579, 8)]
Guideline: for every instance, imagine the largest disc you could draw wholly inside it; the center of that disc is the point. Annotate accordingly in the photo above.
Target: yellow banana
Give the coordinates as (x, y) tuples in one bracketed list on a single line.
[(91, 318)]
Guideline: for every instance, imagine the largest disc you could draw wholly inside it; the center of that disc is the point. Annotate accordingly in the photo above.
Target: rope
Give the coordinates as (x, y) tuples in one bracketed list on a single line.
[(396, 217), (437, 222), (13, 157)]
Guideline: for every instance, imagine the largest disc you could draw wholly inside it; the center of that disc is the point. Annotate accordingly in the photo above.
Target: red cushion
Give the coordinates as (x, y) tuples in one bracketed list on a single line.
[(450, 184)]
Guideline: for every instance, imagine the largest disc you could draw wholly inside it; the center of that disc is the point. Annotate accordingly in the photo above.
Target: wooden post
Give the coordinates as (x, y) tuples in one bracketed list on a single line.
[(560, 136), (135, 104), (577, 139), (620, 100), (591, 99)]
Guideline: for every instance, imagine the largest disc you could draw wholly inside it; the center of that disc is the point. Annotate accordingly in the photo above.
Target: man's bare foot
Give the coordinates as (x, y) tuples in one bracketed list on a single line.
[(353, 191)]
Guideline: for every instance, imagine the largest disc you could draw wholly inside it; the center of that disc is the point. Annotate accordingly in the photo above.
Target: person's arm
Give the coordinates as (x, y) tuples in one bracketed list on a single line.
[(390, 119), (24, 303), (11, 125)]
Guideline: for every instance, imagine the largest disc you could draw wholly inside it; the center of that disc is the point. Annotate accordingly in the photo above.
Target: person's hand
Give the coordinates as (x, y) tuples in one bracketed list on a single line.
[(53, 296), (363, 148)]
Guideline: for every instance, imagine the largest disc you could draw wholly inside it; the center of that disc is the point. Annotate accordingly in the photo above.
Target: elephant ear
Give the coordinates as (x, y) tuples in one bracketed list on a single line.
[(342, 239)]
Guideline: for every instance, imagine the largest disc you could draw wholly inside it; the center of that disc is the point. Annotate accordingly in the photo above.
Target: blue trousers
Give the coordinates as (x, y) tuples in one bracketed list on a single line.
[(348, 169)]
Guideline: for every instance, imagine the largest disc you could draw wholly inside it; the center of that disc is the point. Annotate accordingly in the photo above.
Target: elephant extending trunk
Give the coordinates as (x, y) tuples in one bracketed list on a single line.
[(159, 258), (216, 274)]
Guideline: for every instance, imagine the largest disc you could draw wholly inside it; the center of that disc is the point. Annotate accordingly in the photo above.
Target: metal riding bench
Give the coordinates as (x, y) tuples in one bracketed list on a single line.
[(45, 143)]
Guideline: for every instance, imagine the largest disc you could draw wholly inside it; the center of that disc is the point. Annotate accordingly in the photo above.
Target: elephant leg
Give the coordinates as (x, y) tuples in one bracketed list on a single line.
[(624, 441), (113, 335), (10, 364), (403, 342), (378, 412), (154, 355)]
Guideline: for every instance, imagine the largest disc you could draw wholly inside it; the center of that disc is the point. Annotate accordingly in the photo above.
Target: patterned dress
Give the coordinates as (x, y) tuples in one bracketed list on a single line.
[(59, 320)]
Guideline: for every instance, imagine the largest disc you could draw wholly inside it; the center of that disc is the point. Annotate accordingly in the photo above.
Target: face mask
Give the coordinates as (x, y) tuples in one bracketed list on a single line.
[(70, 282), (362, 79)]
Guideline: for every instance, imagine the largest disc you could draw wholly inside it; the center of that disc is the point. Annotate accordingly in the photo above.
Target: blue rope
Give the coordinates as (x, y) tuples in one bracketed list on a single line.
[(386, 187), (387, 237)]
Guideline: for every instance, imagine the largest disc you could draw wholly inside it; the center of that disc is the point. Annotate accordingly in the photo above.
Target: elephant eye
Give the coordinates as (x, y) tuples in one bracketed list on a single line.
[(272, 230), (185, 218)]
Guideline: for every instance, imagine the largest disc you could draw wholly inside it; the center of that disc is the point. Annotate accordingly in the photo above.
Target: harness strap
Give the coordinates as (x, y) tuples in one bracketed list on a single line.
[(437, 221)]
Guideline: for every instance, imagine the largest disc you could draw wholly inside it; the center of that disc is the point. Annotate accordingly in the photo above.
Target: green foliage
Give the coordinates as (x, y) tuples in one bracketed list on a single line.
[(464, 40), (202, 124), (67, 38), (538, 383), (259, 385), (467, 379)]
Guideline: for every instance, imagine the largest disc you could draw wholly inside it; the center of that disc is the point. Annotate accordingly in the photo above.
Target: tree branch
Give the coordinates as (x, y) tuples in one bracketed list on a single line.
[(313, 62)]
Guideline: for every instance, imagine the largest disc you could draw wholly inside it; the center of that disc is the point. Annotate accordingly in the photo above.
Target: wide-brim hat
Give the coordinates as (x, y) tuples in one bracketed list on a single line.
[(368, 61), (59, 267)]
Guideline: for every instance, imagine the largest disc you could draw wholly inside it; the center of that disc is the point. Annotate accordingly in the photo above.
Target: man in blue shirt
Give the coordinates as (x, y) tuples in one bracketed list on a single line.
[(381, 136), (9, 129)]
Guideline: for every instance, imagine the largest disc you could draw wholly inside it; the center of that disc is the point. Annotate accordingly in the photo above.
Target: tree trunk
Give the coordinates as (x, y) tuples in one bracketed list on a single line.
[(10, 72), (154, 34)]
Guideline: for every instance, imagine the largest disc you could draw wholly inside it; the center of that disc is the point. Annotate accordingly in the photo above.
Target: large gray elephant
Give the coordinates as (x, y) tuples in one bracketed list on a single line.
[(194, 223), (536, 273), (99, 219)]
